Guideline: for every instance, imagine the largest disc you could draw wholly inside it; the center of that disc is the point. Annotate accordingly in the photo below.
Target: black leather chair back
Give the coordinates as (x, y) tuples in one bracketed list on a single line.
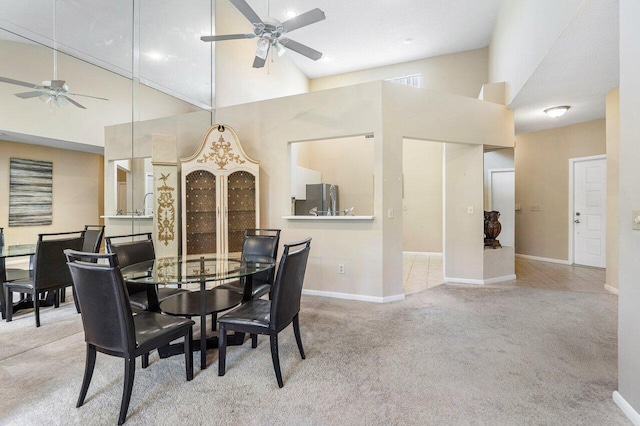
[(92, 238), (261, 245), (1, 237), (50, 270), (131, 250), (287, 289), (104, 303), (134, 248)]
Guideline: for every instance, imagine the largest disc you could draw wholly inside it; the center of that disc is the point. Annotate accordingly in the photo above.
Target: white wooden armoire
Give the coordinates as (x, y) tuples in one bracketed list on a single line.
[(220, 196)]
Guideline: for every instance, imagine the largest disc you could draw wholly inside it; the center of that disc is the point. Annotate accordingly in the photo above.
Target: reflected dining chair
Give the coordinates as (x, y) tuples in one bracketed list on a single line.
[(258, 245), (136, 248), (111, 327), (260, 316), (13, 274), (50, 273)]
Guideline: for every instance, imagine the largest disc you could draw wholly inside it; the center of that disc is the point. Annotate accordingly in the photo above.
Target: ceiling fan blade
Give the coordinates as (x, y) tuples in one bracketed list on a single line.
[(87, 96), (301, 49), (19, 83), (307, 18), (226, 37), (73, 102), (27, 95), (246, 10)]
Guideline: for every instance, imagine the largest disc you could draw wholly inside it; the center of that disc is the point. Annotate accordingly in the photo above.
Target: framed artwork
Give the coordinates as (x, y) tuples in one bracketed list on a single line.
[(30, 192)]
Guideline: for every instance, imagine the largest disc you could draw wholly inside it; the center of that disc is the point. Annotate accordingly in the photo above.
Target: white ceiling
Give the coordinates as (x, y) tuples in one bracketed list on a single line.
[(579, 69), (360, 34)]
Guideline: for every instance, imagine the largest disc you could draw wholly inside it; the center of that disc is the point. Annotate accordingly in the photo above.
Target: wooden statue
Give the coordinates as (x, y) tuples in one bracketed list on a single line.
[(492, 228)]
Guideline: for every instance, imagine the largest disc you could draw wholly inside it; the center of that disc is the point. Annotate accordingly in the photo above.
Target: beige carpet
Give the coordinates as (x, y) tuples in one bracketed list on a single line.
[(447, 355)]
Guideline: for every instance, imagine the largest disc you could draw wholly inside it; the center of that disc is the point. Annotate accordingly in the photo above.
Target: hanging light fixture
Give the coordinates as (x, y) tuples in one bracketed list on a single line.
[(557, 111)]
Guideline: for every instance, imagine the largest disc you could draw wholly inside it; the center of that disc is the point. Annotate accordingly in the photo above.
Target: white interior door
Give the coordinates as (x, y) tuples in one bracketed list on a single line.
[(502, 195), (589, 212)]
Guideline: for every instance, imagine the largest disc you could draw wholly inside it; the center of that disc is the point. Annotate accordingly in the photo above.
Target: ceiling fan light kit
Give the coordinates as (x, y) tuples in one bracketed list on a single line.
[(270, 32)]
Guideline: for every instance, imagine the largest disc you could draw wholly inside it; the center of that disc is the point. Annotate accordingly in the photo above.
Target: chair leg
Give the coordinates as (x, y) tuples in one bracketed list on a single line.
[(56, 298), (275, 358), (129, 374), (254, 341), (188, 354), (222, 349), (36, 307), (145, 360), (90, 362), (214, 320), (63, 294), (296, 331), (8, 303)]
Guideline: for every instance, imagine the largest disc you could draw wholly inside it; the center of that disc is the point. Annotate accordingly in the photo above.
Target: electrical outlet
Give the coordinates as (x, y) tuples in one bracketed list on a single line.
[(341, 268), (535, 207)]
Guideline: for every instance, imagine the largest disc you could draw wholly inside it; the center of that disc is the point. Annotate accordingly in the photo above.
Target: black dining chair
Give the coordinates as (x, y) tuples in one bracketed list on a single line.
[(111, 327), (50, 272), (260, 316), (258, 245), (13, 274), (92, 238), (136, 248)]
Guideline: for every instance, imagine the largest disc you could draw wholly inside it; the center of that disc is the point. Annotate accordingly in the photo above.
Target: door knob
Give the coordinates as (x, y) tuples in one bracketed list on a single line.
[(577, 221)]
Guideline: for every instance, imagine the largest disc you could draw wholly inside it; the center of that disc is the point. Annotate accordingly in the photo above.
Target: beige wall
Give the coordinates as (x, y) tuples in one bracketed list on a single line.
[(422, 200), (542, 177), (463, 232), (346, 162), (237, 82), (524, 33), (391, 112), (461, 73), (77, 194), (613, 186), (629, 287)]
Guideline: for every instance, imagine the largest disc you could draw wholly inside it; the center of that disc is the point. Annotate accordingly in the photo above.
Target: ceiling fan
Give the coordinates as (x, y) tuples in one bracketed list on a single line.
[(53, 92), (270, 33)]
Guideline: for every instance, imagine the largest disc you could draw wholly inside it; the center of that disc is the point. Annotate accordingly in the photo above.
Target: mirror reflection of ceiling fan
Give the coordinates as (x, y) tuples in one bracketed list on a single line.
[(270, 33), (53, 92)]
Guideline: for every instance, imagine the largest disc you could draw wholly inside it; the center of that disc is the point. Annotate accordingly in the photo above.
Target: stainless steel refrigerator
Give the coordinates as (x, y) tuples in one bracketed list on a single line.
[(322, 196)]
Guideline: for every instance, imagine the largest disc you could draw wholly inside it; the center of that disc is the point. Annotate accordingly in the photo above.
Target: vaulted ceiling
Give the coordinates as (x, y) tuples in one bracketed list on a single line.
[(579, 69)]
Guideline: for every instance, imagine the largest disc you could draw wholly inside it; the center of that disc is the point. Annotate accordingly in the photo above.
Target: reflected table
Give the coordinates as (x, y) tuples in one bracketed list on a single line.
[(6, 252), (202, 270)]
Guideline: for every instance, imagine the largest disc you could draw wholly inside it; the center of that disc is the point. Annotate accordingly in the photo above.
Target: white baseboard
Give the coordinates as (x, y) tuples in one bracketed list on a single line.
[(500, 279), (350, 296), (423, 253), (626, 408), (463, 281), (479, 282), (611, 289), (543, 259)]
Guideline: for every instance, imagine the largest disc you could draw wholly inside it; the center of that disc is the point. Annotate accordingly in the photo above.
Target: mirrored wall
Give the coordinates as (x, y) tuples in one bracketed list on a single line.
[(92, 82)]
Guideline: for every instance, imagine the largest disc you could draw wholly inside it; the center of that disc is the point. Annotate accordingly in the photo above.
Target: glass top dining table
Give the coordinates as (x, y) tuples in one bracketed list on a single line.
[(203, 270)]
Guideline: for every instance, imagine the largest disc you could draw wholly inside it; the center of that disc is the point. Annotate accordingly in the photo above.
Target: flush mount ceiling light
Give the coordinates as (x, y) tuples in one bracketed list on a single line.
[(557, 111)]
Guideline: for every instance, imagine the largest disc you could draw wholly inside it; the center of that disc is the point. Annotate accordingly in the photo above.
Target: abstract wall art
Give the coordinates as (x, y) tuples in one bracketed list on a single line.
[(30, 192)]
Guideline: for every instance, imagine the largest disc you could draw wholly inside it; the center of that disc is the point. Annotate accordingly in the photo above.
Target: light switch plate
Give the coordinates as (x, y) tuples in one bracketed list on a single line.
[(535, 207), (470, 209), (635, 219)]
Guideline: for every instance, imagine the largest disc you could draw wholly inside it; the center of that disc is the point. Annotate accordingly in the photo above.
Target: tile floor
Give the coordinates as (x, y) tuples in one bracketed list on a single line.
[(422, 271)]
